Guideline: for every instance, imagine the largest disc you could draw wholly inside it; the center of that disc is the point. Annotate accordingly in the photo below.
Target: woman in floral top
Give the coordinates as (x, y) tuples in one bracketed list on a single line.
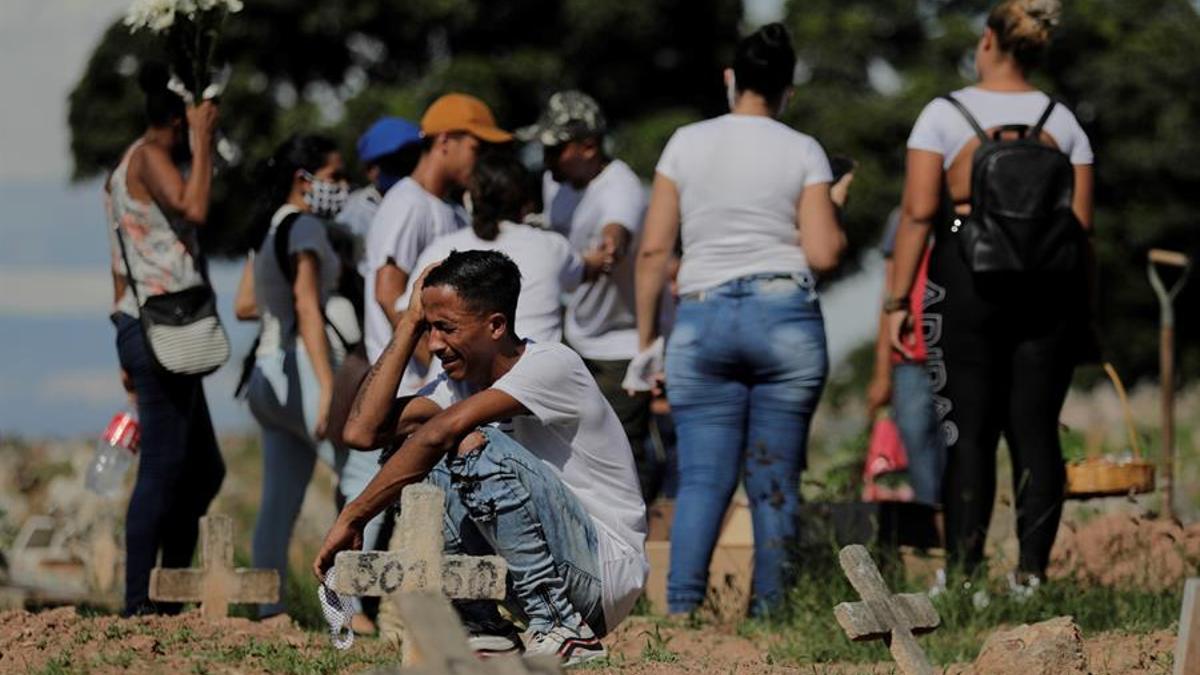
[(157, 211)]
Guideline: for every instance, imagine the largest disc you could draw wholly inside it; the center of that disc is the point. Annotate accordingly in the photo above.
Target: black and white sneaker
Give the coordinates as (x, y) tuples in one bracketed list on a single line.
[(571, 646)]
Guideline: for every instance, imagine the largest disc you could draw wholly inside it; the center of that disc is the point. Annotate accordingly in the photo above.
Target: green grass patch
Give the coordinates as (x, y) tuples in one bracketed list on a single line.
[(59, 665), (277, 657), (805, 631), (657, 648)]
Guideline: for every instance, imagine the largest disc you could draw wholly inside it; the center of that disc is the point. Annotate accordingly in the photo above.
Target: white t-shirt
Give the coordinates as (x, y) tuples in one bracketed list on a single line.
[(941, 128), (601, 321), (408, 220), (740, 178), (548, 269), (575, 432)]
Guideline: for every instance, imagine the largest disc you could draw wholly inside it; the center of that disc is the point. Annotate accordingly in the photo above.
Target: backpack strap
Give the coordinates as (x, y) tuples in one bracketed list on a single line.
[(1036, 132), (968, 116), (283, 233)]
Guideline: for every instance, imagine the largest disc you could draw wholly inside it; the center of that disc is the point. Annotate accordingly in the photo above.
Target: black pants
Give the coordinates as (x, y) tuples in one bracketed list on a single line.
[(1001, 356), (179, 469)]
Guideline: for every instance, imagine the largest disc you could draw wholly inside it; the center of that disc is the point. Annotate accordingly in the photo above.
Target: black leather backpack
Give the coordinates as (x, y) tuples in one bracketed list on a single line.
[(1021, 192)]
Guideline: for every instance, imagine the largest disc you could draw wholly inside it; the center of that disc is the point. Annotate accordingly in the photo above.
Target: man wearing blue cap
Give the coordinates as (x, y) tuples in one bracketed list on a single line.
[(388, 151)]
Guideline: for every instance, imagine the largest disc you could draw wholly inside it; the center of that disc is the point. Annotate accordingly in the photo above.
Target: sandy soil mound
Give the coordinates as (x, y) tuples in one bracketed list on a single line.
[(1126, 549)]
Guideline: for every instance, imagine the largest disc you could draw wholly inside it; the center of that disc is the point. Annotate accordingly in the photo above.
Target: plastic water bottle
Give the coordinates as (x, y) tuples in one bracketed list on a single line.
[(114, 454)]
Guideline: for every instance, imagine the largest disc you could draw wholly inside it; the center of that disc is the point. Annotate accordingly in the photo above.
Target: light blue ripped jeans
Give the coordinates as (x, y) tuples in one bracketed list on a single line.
[(745, 366), (502, 500)]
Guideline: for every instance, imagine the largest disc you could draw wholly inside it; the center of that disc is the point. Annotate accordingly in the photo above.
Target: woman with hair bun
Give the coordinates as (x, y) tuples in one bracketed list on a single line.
[(1001, 349), (154, 212), (746, 359)]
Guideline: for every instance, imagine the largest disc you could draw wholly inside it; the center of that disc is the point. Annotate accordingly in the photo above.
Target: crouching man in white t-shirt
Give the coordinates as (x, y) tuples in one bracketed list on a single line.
[(534, 462)]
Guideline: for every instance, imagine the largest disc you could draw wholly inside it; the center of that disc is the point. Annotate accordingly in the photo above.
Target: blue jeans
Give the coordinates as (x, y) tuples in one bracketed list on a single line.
[(284, 394), (179, 468), (745, 367), (913, 412), (502, 500)]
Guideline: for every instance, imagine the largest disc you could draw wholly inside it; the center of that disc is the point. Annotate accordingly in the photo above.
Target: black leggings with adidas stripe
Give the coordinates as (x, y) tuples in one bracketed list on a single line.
[(1002, 352)]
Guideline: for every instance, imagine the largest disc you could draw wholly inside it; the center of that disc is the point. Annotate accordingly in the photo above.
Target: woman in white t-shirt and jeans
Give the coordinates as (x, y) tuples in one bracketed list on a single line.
[(746, 359), (1001, 355)]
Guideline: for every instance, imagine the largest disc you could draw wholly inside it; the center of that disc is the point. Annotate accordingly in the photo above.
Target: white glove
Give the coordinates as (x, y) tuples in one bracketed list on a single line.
[(644, 367)]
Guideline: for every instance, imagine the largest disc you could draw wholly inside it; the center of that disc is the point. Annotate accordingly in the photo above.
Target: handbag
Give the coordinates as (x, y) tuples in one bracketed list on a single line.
[(182, 330), (885, 455)]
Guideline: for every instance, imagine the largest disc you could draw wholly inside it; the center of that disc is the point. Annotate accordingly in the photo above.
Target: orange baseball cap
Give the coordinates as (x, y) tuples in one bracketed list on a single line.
[(460, 112)]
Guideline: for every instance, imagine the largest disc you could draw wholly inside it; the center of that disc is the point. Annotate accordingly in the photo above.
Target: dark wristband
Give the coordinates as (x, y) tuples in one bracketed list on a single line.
[(896, 304)]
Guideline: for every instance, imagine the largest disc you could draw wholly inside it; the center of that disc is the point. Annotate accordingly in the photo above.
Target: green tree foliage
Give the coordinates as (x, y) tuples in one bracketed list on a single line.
[(335, 67), (1127, 67)]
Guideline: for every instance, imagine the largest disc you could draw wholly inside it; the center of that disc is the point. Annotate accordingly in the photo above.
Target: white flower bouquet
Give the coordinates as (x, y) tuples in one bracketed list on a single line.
[(191, 29)]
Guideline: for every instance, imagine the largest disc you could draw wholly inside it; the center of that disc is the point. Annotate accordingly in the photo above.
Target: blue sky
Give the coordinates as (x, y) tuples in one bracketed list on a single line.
[(58, 376)]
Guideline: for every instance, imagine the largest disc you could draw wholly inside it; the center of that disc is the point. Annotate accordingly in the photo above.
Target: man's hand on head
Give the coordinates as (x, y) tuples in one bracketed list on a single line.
[(416, 308)]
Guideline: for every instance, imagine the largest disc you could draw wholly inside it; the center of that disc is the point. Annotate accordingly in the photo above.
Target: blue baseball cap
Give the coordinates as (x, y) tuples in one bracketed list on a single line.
[(385, 136)]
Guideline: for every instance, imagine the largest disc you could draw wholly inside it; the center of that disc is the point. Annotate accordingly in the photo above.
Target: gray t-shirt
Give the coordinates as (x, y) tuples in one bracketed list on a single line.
[(272, 290)]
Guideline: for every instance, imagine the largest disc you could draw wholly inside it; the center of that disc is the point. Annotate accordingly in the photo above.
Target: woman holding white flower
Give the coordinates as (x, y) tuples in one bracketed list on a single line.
[(154, 213)]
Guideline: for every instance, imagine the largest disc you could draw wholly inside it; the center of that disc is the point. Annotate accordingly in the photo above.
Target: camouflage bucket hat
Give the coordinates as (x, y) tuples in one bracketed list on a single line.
[(568, 115)]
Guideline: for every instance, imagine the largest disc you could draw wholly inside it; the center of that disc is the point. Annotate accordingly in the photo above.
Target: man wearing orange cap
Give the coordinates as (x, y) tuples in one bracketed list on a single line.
[(415, 212)]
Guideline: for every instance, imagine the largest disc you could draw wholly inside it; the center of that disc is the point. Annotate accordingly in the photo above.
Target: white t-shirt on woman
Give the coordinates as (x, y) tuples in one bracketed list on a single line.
[(740, 178), (941, 128)]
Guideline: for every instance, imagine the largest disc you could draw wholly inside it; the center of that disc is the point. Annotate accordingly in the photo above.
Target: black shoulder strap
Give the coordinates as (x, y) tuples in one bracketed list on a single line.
[(282, 234), (128, 269), (969, 117), (1036, 131)]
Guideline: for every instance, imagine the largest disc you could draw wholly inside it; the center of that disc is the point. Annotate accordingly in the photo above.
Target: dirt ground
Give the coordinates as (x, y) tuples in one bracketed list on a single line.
[(1126, 549), (62, 641), (1115, 546), (715, 650)]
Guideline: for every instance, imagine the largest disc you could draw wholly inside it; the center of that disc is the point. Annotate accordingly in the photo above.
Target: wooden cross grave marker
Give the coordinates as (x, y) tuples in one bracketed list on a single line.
[(894, 618), (216, 583), (1187, 645), (440, 643), (416, 562)]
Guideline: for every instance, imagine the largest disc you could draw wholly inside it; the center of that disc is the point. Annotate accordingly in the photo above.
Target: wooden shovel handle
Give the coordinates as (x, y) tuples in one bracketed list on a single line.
[(1161, 256)]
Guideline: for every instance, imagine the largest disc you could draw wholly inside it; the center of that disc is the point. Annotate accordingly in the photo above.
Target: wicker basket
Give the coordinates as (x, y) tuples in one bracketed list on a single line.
[(1103, 477)]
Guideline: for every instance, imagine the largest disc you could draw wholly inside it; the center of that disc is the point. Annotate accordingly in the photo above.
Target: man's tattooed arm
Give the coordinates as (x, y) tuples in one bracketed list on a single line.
[(374, 417)]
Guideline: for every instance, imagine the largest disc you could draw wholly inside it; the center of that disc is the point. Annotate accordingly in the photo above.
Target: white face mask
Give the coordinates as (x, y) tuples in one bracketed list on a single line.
[(325, 198)]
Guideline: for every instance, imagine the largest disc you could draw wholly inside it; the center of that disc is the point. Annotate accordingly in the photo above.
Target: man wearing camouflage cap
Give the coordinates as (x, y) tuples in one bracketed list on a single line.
[(597, 202)]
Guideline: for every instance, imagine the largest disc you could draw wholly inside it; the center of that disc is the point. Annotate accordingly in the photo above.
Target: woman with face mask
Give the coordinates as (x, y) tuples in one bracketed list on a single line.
[(295, 272), (751, 198)]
